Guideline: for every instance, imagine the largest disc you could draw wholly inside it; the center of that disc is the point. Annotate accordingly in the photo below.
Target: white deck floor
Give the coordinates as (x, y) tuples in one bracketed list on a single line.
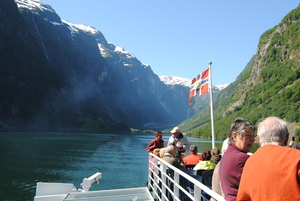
[(130, 194)]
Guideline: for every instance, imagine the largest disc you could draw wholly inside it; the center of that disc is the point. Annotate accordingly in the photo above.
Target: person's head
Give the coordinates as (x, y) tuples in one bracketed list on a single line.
[(273, 129), (158, 134), (156, 152), (170, 149), (193, 149), (224, 146), (206, 155), (175, 131), (162, 152), (215, 151), (241, 133)]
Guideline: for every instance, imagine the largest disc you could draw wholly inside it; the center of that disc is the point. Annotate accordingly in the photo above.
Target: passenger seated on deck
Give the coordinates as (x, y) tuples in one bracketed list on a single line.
[(193, 158), (156, 153), (169, 156), (273, 171), (206, 163), (215, 155), (179, 157), (241, 139), (162, 152), (216, 185)]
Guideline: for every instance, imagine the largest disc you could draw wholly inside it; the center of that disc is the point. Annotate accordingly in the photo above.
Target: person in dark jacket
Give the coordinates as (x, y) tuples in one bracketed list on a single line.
[(156, 143)]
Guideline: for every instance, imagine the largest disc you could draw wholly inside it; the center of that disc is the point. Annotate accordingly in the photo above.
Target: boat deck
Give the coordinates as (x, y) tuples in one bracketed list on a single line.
[(129, 194), (165, 181)]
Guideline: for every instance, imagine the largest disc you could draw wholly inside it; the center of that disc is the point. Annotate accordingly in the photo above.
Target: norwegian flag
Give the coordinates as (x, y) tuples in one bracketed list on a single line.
[(199, 85)]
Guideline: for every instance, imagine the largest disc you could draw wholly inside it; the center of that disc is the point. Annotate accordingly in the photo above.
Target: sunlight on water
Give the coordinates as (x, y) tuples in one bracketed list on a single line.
[(28, 158)]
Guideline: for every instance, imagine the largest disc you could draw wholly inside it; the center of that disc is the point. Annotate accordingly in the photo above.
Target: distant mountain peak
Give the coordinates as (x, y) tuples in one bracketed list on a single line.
[(34, 4), (221, 86), (173, 80), (75, 28)]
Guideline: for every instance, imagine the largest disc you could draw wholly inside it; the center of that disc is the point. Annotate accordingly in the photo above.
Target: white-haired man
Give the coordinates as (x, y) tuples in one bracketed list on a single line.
[(273, 171), (169, 156)]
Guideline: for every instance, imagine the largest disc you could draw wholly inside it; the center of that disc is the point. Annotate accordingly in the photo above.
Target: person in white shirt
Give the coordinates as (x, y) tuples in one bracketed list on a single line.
[(179, 140)]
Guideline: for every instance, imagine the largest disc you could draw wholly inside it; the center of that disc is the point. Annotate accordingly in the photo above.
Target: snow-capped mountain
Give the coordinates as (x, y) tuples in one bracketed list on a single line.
[(86, 75), (221, 86), (173, 80), (34, 5)]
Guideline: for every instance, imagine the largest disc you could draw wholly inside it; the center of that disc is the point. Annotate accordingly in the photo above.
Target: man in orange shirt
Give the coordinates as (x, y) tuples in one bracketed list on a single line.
[(193, 158), (273, 171)]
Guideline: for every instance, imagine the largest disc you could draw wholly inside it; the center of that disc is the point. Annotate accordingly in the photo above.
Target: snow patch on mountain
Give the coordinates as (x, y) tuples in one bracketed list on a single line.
[(54, 23), (80, 27), (86, 28), (173, 80), (221, 86), (33, 4), (123, 51)]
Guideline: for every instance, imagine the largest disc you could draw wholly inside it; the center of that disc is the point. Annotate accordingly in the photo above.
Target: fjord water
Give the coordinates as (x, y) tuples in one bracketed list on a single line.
[(28, 158)]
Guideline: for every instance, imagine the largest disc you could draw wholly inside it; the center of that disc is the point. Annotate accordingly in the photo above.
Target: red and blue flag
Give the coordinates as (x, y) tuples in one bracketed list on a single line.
[(199, 85)]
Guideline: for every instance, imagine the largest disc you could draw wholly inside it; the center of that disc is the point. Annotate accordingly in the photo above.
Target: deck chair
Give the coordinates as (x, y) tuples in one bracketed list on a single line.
[(189, 171), (189, 166), (207, 181), (190, 185), (170, 184), (199, 172), (183, 182)]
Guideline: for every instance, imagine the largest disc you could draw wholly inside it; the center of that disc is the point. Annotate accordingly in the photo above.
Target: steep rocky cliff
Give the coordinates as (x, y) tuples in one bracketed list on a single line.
[(56, 75)]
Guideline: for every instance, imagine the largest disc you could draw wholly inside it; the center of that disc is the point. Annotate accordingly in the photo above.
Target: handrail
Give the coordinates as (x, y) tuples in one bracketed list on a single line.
[(167, 186)]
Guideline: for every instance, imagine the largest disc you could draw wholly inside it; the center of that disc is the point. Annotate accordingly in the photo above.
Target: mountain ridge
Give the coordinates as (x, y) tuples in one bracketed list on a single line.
[(173, 80), (91, 85), (59, 76), (268, 86)]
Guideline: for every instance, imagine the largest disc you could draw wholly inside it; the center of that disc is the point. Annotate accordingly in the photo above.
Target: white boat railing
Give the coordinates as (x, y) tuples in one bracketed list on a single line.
[(166, 186)]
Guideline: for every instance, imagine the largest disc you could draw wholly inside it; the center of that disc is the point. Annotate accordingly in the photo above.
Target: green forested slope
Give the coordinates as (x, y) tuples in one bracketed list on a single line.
[(268, 86)]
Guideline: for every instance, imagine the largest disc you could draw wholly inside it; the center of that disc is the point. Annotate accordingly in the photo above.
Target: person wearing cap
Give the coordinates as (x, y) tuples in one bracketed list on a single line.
[(273, 171), (179, 140), (193, 158)]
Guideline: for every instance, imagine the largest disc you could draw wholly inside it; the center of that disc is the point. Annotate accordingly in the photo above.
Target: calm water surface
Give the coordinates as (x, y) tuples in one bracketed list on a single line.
[(27, 158)]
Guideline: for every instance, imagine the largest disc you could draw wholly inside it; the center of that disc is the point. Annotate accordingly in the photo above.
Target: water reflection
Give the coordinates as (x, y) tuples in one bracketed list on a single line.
[(27, 158)]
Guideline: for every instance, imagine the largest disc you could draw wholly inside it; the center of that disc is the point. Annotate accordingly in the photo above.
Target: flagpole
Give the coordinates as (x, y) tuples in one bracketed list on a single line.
[(211, 107)]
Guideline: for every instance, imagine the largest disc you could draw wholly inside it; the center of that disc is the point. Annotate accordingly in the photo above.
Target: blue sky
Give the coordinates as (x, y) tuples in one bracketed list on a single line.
[(179, 38)]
